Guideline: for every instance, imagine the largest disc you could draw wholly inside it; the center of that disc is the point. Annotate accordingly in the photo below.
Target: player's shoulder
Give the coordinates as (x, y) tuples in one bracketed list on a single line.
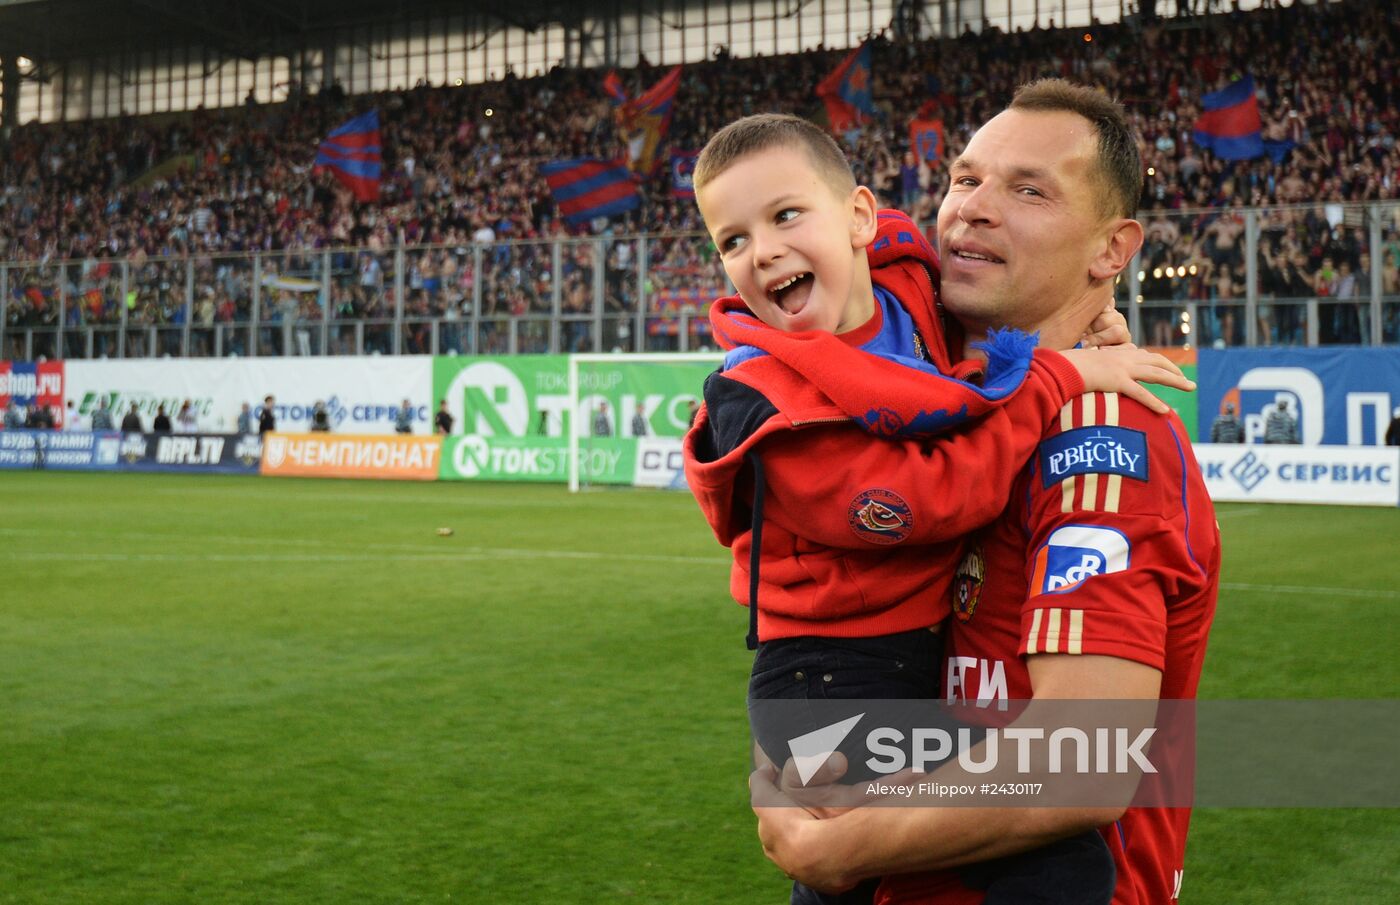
[(1096, 410), (1110, 434)]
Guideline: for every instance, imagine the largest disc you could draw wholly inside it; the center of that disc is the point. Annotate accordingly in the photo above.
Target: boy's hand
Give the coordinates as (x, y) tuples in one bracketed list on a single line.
[(1110, 328), (1116, 369)]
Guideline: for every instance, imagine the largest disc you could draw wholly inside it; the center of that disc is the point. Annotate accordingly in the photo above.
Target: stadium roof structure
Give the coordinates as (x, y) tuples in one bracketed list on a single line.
[(53, 31)]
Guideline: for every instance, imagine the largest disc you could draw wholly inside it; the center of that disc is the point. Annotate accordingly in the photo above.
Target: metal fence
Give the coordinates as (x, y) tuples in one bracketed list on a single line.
[(1299, 275)]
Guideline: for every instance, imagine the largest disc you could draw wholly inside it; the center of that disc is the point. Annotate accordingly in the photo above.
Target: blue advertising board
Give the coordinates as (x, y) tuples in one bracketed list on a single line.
[(59, 450), (1339, 394), (191, 453)]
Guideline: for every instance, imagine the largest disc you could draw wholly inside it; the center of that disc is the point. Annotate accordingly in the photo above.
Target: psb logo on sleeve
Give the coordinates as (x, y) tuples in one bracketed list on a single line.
[(1075, 553), (880, 517), (1093, 450)]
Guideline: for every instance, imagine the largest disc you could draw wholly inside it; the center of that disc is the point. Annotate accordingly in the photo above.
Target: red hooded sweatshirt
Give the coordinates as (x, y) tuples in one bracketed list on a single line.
[(861, 472)]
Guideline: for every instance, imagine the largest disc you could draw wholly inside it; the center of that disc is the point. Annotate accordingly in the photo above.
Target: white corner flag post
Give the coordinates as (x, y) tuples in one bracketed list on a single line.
[(580, 421)]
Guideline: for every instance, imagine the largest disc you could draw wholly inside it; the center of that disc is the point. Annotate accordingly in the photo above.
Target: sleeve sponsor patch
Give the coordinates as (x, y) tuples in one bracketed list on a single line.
[(1075, 553), (1093, 450)]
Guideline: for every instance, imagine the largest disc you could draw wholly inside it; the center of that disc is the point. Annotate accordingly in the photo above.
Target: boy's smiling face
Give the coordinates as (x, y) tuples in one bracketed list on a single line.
[(792, 244)]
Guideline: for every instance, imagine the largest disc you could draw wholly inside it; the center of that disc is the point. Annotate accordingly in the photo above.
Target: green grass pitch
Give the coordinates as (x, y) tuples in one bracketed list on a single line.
[(245, 690)]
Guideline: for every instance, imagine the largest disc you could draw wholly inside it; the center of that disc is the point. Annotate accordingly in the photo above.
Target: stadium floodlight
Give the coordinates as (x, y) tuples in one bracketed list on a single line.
[(662, 383)]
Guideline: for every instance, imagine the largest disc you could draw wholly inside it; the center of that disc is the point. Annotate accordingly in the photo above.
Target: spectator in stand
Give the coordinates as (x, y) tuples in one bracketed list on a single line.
[(403, 418), (185, 419), (1280, 426), (1227, 428), (14, 418), (267, 418), (320, 418), (245, 419), (131, 421), (639, 422), (71, 419), (39, 418), (1392, 433), (102, 418), (161, 424), (442, 421), (1324, 73), (602, 427)]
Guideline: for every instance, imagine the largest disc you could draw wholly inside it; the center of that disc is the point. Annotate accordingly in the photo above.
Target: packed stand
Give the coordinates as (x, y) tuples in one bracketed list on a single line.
[(240, 180)]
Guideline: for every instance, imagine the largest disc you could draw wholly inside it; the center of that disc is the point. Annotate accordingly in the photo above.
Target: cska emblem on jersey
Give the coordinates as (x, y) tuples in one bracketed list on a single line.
[(967, 583), (880, 517)]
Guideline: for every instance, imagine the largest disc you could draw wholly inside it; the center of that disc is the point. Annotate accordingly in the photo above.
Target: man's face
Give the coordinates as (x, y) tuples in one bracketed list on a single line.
[(790, 243), (1021, 224)]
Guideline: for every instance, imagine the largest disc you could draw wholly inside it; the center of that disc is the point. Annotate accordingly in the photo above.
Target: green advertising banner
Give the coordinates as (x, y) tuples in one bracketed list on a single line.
[(1184, 403), (512, 414), (602, 460)]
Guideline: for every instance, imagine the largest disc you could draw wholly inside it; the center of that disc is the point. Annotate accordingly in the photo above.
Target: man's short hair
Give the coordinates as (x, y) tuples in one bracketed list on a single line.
[(1120, 166), (773, 130)]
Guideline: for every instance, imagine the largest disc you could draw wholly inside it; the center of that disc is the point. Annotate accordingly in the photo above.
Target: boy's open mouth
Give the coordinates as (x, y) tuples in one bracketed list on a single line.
[(791, 295)]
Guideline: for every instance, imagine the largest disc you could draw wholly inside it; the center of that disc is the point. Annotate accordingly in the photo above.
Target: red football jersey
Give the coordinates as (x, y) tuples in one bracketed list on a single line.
[(1110, 547)]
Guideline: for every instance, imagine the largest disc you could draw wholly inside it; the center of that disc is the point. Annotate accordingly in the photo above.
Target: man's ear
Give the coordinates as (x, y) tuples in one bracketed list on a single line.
[(864, 222), (1123, 241)]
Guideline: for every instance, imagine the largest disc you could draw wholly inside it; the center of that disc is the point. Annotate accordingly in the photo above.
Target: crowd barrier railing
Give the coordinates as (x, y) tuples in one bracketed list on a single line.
[(1318, 274)]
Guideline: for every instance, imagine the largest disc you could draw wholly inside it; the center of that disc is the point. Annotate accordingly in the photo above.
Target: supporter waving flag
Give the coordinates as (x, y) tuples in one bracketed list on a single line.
[(584, 188), (642, 123), (353, 154), (612, 87), (846, 91), (1230, 126)]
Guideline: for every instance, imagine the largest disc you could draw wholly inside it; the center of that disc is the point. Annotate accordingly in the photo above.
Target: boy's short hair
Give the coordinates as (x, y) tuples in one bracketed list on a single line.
[(771, 130), (1120, 166)]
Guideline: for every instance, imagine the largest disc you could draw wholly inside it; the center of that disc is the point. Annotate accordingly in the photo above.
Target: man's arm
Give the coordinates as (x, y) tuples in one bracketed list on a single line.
[(866, 842), (1106, 556)]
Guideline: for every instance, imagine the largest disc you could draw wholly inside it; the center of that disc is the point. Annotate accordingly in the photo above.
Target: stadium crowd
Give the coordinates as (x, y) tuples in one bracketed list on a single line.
[(461, 165)]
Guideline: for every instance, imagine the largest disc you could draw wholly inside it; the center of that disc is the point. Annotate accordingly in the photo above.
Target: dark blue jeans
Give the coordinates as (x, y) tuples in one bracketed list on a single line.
[(905, 666)]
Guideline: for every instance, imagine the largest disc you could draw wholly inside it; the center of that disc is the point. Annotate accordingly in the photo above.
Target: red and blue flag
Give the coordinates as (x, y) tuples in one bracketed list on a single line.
[(846, 91), (354, 156), (612, 87), (642, 123), (926, 139), (1230, 126), (584, 188), (683, 173)]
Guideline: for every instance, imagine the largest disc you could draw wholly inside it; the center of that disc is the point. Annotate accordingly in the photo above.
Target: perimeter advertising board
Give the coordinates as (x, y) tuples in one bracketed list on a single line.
[(605, 460), (361, 394), (191, 453), (397, 457), (1279, 473), (514, 413), (1338, 394), (60, 450), (28, 383)]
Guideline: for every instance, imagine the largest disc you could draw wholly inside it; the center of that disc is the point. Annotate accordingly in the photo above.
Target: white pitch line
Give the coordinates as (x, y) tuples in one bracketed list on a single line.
[(1302, 589)]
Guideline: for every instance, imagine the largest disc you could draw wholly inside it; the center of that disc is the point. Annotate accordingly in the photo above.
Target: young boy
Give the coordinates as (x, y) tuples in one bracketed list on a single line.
[(846, 546)]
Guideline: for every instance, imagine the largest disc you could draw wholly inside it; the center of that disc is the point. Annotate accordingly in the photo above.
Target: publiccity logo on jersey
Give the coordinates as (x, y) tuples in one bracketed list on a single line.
[(1038, 753)]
